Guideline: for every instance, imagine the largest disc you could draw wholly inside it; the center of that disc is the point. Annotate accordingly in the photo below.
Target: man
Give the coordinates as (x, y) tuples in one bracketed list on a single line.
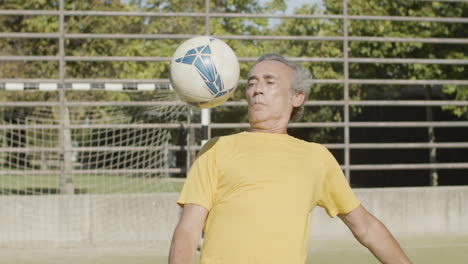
[(252, 193)]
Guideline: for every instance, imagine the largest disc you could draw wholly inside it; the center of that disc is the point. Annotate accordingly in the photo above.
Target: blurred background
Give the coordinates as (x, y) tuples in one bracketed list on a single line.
[(388, 97), (86, 107)]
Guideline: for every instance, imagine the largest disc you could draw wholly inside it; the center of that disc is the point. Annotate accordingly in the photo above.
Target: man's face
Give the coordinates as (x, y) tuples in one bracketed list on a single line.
[(269, 92)]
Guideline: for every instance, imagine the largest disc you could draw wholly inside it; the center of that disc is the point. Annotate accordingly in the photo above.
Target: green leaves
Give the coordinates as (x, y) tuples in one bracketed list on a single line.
[(246, 48)]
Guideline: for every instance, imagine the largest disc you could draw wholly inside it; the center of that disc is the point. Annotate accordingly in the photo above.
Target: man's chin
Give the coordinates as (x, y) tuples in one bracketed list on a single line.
[(256, 121), (256, 114)]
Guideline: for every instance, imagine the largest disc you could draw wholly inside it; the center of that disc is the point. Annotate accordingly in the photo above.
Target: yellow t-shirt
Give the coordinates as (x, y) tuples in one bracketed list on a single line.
[(260, 189)]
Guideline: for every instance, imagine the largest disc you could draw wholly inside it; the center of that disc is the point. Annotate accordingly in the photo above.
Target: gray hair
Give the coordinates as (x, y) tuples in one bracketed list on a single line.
[(299, 82)]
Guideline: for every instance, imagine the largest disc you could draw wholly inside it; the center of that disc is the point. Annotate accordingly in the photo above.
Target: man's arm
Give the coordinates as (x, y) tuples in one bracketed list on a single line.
[(373, 234), (187, 235)]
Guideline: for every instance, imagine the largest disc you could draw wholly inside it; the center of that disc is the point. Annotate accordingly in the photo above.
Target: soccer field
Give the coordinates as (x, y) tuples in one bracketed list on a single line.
[(420, 250), (426, 250), (90, 184)]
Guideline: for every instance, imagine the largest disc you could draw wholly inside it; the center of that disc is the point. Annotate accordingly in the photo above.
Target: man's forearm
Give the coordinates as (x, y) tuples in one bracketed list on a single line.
[(183, 247)]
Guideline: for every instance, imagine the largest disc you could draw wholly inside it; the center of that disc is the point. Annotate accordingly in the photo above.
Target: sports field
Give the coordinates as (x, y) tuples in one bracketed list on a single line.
[(427, 250), (90, 184)]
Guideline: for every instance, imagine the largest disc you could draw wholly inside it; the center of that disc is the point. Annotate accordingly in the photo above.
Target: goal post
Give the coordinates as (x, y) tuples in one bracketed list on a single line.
[(145, 134), (99, 167)]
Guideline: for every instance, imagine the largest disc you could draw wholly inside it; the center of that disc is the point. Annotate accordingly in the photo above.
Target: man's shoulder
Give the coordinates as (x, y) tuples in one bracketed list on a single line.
[(233, 137), (221, 141), (315, 146), (243, 136)]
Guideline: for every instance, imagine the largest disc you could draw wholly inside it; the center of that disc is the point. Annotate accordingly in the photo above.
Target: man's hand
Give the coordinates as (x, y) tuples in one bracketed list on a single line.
[(187, 235), (373, 234)]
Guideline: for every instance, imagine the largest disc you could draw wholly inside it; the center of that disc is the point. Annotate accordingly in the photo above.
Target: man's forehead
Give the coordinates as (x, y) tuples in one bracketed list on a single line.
[(270, 69)]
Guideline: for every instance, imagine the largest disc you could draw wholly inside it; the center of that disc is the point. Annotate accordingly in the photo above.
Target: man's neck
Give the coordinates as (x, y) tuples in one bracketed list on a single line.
[(276, 129)]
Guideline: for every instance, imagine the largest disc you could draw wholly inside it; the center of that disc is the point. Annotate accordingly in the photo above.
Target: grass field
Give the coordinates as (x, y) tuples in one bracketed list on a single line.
[(427, 250), (93, 184)]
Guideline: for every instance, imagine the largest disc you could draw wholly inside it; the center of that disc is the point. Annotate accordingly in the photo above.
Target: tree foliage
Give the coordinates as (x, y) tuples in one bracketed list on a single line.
[(418, 50), (244, 48)]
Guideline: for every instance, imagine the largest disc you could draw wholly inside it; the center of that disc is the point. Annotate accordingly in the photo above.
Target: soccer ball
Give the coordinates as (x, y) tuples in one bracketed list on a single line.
[(204, 71)]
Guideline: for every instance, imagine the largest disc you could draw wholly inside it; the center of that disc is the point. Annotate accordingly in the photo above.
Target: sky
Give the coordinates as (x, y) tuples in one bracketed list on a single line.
[(291, 6)]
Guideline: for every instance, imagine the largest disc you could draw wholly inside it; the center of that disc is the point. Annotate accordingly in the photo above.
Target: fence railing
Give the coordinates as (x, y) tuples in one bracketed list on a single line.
[(63, 83)]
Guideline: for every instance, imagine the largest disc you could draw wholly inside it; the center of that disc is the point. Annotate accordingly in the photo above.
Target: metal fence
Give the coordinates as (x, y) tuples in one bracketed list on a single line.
[(62, 83)]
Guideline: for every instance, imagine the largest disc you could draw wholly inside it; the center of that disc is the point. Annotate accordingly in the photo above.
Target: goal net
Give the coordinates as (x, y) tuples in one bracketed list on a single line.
[(88, 171)]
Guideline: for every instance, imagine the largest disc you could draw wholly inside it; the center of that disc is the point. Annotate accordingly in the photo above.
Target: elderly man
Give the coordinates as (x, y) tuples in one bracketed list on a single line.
[(252, 193)]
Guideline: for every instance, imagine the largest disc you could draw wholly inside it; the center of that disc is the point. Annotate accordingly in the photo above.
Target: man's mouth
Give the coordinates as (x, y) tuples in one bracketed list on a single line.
[(256, 103)]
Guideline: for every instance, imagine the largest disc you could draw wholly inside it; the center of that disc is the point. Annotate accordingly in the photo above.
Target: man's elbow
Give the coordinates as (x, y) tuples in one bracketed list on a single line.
[(186, 234), (367, 234), (363, 225)]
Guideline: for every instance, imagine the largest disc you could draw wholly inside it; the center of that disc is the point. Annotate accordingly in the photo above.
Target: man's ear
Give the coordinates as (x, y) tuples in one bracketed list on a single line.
[(298, 99)]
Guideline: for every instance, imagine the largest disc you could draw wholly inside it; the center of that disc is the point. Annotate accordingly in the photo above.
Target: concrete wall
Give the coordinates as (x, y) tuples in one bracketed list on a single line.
[(149, 219), (146, 220), (405, 212)]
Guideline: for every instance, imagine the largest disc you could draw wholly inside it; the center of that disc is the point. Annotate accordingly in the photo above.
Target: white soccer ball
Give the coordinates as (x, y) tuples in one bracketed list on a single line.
[(204, 71)]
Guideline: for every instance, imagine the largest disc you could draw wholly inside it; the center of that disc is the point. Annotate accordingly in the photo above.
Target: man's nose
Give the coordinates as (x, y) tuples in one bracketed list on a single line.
[(258, 89)]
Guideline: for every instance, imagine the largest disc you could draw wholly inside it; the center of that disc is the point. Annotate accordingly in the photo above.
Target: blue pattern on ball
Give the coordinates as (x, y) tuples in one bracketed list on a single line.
[(201, 59)]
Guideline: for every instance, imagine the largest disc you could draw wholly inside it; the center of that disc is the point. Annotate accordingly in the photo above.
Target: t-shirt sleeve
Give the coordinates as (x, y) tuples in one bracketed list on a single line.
[(336, 194), (200, 185)]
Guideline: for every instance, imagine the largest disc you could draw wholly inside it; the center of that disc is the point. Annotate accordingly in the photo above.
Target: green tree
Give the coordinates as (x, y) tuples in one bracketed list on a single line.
[(418, 29)]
